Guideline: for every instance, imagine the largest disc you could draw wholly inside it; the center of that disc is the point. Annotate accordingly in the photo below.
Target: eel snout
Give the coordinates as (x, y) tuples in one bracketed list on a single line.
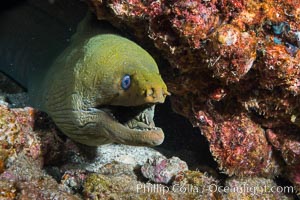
[(156, 95)]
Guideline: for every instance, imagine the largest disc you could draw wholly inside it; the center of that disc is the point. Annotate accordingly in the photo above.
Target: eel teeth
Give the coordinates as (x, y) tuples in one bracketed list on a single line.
[(143, 118), (93, 109), (140, 117), (141, 122), (130, 124), (147, 120)]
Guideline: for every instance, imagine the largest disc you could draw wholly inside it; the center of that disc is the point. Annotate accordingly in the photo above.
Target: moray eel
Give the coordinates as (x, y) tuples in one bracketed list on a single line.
[(102, 88)]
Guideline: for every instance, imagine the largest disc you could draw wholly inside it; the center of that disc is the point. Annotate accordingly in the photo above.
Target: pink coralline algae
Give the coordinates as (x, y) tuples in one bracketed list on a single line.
[(162, 170), (72, 180), (193, 21), (19, 134), (289, 146), (293, 173), (22, 152), (283, 70), (239, 145), (234, 70), (16, 134)]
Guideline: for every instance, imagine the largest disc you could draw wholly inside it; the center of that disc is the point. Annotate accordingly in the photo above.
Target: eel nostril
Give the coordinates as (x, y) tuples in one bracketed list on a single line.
[(150, 92), (156, 94)]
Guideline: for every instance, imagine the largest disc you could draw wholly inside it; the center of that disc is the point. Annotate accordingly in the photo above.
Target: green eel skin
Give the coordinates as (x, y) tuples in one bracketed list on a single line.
[(81, 91)]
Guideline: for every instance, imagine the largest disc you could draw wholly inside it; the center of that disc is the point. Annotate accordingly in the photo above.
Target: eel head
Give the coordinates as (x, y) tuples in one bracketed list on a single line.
[(115, 87)]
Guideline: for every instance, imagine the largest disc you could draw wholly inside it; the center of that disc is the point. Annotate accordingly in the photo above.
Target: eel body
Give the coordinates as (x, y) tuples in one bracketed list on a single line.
[(102, 88)]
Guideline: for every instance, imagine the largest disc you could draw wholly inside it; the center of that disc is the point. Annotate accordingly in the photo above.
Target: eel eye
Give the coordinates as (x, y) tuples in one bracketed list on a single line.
[(125, 84)]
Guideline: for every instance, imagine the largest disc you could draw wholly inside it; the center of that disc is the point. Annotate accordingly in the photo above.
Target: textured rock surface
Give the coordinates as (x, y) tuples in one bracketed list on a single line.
[(22, 157), (288, 143), (31, 149), (162, 170), (123, 186), (123, 154), (239, 146), (234, 69), (255, 188), (17, 136), (37, 162)]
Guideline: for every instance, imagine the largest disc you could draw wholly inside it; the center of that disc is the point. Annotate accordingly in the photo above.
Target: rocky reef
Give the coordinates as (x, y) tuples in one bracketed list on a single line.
[(233, 71), (39, 162)]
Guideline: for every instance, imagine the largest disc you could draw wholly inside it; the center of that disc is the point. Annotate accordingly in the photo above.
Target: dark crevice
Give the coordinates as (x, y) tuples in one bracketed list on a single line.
[(182, 139)]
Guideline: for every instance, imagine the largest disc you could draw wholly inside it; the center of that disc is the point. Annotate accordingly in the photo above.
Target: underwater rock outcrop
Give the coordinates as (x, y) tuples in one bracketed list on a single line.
[(162, 170), (287, 142), (190, 185), (239, 146), (262, 188), (234, 70), (22, 153), (37, 162)]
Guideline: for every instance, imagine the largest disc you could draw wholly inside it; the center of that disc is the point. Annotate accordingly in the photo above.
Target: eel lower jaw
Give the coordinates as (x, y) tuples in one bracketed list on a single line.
[(133, 125)]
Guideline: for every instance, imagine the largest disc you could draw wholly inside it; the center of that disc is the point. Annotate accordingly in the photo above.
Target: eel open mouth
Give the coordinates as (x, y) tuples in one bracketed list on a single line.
[(135, 123), (135, 117)]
